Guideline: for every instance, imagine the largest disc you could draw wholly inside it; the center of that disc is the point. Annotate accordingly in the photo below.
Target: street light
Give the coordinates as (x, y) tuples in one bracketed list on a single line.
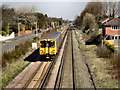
[(36, 27), (19, 29)]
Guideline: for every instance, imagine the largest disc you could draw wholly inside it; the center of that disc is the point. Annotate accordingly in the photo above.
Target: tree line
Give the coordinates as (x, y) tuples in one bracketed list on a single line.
[(94, 12), (27, 17)]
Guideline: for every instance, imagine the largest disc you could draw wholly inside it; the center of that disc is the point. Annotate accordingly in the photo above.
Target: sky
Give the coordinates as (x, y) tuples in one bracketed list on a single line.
[(65, 10)]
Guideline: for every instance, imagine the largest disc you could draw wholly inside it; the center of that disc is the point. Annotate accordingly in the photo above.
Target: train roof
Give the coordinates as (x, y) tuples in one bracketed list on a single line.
[(53, 36)]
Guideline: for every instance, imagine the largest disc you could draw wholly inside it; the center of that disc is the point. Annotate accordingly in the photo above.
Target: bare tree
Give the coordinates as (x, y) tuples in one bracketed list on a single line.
[(26, 14), (110, 8), (104, 9), (89, 22)]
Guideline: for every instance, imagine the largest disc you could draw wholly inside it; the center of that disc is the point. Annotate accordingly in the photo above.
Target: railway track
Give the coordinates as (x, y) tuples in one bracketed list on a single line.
[(59, 79), (36, 77), (41, 75), (60, 76)]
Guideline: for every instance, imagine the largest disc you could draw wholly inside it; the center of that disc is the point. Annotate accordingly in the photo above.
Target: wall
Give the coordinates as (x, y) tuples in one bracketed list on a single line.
[(3, 38), (112, 32)]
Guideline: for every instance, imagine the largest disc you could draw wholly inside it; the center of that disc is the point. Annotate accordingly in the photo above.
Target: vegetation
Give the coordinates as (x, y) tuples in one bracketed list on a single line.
[(3, 33), (94, 39), (102, 62), (94, 12), (111, 47), (28, 17), (14, 55)]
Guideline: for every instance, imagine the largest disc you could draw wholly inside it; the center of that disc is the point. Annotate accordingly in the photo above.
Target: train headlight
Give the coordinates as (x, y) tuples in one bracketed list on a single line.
[(41, 51), (53, 51)]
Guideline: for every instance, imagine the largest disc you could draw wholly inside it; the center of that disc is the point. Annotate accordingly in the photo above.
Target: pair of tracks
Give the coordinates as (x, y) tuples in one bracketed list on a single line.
[(59, 78), (61, 67), (37, 78), (42, 81), (40, 76)]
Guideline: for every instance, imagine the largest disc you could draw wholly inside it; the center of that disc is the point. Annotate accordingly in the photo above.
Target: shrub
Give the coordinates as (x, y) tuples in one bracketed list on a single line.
[(29, 28), (94, 39), (115, 60), (109, 46), (35, 38), (3, 33), (26, 27), (103, 52), (14, 55), (23, 29)]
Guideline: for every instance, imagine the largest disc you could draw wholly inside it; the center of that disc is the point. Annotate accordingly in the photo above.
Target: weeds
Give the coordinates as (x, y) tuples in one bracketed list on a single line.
[(14, 55), (103, 52)]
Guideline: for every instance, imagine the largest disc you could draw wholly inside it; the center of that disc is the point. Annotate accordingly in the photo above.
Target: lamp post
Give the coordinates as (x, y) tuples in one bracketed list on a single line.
[(36, 27), (19, 29)]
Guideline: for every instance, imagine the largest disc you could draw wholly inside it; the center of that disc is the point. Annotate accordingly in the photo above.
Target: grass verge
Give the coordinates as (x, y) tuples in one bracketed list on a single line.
[(101, 68)]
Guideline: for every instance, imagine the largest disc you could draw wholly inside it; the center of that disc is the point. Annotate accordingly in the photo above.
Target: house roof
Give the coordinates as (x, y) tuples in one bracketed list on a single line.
[(104, 21), (115, 21)]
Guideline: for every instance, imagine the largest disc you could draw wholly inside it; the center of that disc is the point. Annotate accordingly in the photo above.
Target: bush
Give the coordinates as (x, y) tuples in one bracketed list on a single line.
[(14, 55), (115, 60), (94, 39), (26, 27), (29, 28), (103, 52), (3, 33), (109, 46)]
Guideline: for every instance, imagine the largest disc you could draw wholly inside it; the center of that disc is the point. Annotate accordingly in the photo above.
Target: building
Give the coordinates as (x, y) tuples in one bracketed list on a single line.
[(111, 31)]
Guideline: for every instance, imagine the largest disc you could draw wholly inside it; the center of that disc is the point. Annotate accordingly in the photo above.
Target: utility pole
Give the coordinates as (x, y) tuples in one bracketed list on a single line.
[(19, 29)]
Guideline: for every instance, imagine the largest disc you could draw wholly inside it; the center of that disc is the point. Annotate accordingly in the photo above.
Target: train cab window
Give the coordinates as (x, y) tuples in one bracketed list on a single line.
[(47, 44), (52, 44), (43, 44)]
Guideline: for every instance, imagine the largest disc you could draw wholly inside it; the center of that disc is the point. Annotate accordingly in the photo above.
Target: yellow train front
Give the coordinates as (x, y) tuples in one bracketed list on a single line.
[(48, 48)]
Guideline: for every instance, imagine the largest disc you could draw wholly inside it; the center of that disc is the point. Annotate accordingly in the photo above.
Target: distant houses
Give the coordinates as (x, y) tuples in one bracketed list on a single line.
[(111, 31)]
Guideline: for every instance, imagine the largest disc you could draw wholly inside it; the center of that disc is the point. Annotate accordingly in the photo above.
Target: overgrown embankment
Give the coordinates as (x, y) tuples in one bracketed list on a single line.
[(105, 72)]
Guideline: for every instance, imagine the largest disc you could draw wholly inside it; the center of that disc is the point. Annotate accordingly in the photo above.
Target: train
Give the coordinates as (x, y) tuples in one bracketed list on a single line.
[(49, 46)]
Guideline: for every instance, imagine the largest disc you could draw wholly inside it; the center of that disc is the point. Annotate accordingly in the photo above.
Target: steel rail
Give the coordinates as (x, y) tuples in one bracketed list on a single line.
[(41, 76), (32, 76), (73, 67), (50, 68), (60, 70)]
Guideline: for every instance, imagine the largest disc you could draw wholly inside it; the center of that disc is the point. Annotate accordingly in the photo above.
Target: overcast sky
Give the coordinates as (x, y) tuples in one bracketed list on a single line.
[(66, 10)]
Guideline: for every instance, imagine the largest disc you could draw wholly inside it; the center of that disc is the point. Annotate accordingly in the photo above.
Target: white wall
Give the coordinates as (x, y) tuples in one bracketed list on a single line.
[(3, 38)]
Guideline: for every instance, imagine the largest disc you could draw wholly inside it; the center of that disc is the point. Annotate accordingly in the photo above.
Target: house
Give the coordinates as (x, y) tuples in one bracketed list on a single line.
[(111, 31)]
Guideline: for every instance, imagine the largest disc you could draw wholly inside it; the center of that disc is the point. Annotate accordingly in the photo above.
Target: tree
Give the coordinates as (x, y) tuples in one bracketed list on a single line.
[(41, 19), (110, 8), (89, 22), (94, 8), (7, 17), (26, 14)]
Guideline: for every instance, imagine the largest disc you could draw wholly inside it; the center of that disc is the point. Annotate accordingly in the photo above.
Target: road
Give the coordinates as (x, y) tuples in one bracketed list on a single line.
[(11, 43)]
